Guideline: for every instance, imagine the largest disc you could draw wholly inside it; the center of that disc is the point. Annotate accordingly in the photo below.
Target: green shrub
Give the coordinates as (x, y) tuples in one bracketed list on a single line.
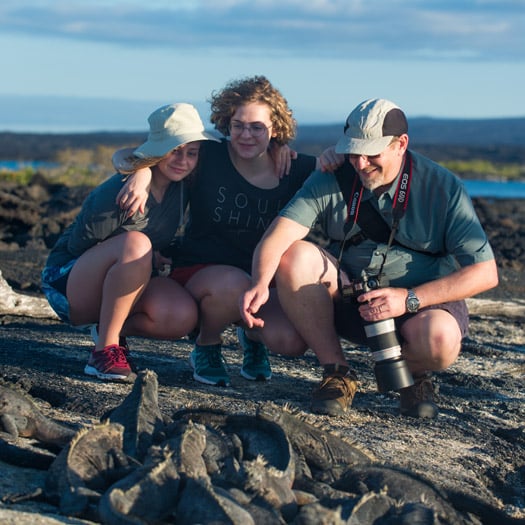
[(22, 176), (483, 169)]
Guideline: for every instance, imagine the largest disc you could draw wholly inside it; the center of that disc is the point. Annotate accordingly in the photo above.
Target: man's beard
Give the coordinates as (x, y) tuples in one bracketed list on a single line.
[(371, 184), (376, 186)]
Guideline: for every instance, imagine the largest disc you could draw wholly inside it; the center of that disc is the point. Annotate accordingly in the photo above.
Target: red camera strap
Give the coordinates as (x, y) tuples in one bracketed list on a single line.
[(400, 196), (381, 229)]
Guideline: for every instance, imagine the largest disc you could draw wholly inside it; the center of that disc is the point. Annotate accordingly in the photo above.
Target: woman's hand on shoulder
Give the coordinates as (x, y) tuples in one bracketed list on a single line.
[(329, 160), (282, 157), (134, 194)]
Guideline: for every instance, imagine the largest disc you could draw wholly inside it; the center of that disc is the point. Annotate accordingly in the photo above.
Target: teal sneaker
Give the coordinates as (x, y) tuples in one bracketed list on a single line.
[(256, 363), (208, 365)]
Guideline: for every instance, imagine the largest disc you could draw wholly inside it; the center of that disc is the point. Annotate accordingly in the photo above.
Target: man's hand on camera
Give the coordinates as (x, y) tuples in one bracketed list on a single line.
[(382, 303)]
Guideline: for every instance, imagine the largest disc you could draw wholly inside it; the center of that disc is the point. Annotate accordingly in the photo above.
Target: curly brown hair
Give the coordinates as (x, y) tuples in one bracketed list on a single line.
[(224, 104)]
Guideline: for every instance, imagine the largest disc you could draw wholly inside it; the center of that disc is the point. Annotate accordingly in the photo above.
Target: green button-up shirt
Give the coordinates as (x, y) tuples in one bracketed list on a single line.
[(438, 233)]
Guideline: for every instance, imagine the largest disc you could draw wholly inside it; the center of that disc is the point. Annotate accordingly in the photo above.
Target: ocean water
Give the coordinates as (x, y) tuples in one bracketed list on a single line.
[(476, 188), (496, 189), (17, 165)]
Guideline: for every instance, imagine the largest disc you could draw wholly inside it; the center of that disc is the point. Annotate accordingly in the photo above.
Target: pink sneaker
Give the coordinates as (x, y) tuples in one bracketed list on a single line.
[(110, 363)]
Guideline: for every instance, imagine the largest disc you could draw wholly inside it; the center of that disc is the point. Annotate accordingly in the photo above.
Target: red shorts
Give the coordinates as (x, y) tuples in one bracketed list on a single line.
[(183, 274)]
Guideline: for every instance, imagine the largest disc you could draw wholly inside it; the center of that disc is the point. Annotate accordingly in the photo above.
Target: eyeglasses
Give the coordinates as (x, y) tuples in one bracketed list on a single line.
[(355, 157), (256, 129)]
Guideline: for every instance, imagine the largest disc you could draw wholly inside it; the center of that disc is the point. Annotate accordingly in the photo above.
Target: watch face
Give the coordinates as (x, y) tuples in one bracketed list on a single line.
[(412, 304)]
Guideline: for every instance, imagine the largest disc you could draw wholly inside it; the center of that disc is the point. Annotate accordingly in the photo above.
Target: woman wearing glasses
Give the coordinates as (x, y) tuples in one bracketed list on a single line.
[(235, 196)]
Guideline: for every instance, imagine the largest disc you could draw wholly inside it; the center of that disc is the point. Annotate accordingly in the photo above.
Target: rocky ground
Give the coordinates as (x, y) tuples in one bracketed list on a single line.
[(476, 446)]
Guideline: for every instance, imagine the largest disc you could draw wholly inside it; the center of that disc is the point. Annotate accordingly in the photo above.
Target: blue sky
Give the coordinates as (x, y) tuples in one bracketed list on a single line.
[(439, 58)]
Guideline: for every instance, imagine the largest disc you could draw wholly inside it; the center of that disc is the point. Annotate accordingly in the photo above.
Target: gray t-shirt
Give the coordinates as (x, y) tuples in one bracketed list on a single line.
[(101, 218), (438, 233)]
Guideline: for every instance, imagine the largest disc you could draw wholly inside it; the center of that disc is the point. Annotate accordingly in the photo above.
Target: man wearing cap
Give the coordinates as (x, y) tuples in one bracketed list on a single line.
[(392, 217)]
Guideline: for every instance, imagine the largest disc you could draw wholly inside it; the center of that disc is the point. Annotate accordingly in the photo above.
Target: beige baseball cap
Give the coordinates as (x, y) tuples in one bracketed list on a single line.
[(371, 126)]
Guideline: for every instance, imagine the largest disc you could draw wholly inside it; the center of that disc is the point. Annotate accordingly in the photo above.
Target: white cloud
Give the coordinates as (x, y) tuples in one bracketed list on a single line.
[(488, 30)]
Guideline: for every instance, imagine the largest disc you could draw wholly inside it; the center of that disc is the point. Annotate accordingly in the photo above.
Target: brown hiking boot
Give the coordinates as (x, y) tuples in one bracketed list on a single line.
[(336, 392), (418, 400)]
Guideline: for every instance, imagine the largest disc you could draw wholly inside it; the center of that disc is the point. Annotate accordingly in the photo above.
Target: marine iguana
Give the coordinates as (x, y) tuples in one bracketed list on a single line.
[(150, 493), (140, 415), (326, 454), (200, 502), (147, 495), (86, 468), (272, 467), (20, 417)]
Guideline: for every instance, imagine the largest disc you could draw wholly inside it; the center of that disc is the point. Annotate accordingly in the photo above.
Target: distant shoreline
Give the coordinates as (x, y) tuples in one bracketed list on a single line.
[(509, 131), (439, 140)]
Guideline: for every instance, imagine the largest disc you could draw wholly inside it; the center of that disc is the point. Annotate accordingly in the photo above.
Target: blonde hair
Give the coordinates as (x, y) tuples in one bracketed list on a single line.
[(224, 104), (131, 163)]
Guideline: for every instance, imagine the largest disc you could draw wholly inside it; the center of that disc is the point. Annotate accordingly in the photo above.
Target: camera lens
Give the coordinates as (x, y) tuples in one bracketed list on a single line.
[(392, 374), (390, 368)]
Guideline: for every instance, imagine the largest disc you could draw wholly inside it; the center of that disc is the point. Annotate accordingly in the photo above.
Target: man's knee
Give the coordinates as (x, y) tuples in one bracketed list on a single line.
[(306, 262), (434, 344), (293, 258), (445, 347), (443, 350)]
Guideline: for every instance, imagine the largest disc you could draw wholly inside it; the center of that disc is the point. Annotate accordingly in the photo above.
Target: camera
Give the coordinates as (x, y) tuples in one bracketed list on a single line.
[(390, 368)]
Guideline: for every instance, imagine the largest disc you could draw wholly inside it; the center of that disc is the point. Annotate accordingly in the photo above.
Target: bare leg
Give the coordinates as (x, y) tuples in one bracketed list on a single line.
[(217, 290), (307, 283), (278, 333), (432, 341), (164, 311), (106, 281)]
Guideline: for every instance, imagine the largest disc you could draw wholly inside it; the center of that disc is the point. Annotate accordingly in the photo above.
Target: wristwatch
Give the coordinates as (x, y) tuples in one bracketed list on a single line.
[(412, 302)]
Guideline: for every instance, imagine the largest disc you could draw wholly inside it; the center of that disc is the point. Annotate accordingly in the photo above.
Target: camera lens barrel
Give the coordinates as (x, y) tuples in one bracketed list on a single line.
[(382, 339), (392, 375), (390, 368)]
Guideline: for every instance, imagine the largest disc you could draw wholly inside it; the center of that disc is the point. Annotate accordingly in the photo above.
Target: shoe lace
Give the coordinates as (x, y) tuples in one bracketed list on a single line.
[(116, 355), (256, 354), (212, 357), (423, 390), (337, 383)]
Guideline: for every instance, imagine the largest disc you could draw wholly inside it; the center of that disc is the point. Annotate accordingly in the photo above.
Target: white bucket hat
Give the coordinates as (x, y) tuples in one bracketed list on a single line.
[(371, 126), (172, 126)]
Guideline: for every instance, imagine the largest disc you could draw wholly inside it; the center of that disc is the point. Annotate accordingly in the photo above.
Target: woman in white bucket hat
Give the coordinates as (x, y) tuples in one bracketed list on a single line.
[(101, 272)]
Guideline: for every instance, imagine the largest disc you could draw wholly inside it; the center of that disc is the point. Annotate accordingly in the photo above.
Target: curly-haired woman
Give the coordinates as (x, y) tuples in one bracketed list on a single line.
[(235, 196)]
